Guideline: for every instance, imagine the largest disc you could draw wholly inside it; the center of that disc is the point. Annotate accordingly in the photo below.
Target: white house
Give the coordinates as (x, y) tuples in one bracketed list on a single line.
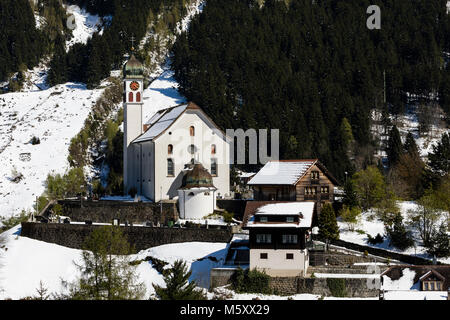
[(279, 232), (157, 151)]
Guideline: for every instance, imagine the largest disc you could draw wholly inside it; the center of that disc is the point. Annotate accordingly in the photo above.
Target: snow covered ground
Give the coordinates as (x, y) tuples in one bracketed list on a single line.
[(83, 24), (55, 116), (26, 262), (374, 227)]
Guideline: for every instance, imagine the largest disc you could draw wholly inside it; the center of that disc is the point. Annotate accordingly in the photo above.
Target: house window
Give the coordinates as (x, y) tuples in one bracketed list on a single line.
[(138, 97), (192, 131), (170, 149), (170, 168), (290, 239), (310, 191), (213, 149), (315, 175), (263, 238), (263, 219), (214, 167), (263, 256), (130, 97), (289, 256), (290, 219), (325, 189)]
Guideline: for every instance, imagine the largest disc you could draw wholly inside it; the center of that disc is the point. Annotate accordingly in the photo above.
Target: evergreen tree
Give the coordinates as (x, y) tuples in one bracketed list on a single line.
[(106, 271), (395, 147), (440, 243), (350, 196), (439, 159), (410, 145), (398, 235), (178, 286), (328, 227)]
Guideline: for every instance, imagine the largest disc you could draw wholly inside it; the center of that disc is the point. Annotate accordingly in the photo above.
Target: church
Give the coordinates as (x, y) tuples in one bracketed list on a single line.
[(177, 154)]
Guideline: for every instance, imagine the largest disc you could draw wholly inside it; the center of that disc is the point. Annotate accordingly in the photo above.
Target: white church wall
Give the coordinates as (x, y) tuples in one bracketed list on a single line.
[(179, 136), (196, 204)]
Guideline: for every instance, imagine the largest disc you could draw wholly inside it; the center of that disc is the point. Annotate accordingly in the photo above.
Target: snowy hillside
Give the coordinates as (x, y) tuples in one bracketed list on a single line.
[(26, 262), (53, 115), (83, 24), (371, 225)]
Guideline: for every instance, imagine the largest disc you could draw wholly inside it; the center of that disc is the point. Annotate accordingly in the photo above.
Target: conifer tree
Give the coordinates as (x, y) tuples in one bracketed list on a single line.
[(440, 243), (399, 236), (395, 147), (439, 159), (178, 286), (328, 227), (106, 271)]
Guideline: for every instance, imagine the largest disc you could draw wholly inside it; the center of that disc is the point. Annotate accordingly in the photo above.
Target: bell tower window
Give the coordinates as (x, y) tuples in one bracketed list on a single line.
[(138, 97), (192, 131), (130, 97)]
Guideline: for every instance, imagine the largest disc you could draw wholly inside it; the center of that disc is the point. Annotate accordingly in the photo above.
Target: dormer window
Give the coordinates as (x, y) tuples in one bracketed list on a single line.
[(192, 131), (263, 219), (290, 219)]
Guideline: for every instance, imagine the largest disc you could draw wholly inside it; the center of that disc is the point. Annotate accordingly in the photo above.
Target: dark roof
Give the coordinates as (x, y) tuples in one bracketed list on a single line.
[(197, 177), (133, 68), (396, 272)]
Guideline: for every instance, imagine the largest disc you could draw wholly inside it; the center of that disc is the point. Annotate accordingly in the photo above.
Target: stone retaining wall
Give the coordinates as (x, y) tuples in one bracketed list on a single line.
[(106, 211), (74, 235)]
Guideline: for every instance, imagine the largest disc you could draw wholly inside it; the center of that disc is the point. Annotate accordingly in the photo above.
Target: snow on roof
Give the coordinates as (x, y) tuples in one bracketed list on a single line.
[(285, 172), (405, 282), (160, 122), (306, 209)]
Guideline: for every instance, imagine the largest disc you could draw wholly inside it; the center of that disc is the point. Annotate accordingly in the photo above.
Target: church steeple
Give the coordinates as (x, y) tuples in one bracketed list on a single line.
[(133, 81)]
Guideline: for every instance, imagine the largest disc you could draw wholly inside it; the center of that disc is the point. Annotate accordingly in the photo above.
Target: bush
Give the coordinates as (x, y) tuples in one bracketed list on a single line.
[(251, 281), (337, 287), (375, 240), (35, 141), (228, 217)]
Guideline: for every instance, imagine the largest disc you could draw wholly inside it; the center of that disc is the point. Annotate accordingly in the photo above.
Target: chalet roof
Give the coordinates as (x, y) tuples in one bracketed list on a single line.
[(421, 273), (305, 211), (287, 172), (164, 119)]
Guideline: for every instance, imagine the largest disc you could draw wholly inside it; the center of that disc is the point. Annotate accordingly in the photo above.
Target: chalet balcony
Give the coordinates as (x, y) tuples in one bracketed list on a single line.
[(315, 182), (314, 197)]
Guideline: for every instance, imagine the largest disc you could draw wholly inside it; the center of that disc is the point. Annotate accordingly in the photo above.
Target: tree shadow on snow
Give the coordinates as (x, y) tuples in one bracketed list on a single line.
[(201, 269)]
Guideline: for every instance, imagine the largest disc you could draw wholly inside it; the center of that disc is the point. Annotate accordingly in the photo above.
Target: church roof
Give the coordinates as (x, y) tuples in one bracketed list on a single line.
[(164, 119), (197, 177), (133, 68), (287, 172)]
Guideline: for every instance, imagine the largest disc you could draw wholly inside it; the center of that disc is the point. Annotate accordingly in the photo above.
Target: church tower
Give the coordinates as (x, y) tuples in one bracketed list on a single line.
[(133, 73)]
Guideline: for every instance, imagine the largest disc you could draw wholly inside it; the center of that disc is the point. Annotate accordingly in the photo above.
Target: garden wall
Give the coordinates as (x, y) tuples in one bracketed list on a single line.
[(73, 235), (106, 211)]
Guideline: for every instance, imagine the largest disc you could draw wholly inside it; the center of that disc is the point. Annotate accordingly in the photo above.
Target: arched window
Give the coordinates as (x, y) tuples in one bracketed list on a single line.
[(170, 149), (213, 149), (192, 131), (138, 97), (214, 167), (130, 97), (192, 149), (170, 168)]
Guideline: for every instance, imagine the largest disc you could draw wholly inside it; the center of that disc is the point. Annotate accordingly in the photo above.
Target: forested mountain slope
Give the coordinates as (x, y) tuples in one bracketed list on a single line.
[(313, 68)]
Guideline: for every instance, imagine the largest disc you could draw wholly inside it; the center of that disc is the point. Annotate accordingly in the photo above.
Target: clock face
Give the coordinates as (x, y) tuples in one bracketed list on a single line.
[(134, 85)]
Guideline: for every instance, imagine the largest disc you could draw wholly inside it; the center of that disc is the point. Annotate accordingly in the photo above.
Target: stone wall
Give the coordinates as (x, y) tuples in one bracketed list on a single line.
[(106, 211), (288, 286), (73, 235), (221, 276)]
